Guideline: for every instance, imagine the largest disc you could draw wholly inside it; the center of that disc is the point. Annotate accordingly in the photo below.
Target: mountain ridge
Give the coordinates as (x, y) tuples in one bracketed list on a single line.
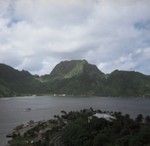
[(18, 82), (74, 77), (73, 68)]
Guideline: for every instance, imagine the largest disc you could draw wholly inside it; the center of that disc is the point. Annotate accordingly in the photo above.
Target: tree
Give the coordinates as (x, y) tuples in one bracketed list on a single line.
[(139, 118), (147, 119), (101, 140)]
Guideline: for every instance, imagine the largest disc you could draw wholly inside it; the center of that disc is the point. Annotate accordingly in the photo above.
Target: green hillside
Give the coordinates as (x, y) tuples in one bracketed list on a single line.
[(78, 77), (75, 77), (128, 83), (14, 82)]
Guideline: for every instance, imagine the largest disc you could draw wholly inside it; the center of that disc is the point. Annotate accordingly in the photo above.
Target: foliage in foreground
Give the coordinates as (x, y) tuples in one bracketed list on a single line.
[(99, 132), (75, 129)]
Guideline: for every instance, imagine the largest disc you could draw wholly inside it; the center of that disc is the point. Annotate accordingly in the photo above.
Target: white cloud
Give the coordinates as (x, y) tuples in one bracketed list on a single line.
[(35, 35)]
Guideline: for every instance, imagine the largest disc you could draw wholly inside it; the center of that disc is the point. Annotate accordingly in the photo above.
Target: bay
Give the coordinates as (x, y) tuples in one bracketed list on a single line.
[(13, 110)]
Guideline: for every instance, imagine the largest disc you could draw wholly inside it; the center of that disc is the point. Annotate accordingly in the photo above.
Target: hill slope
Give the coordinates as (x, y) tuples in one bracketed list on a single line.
[(78, 77), (128, 83), (14, 82), (75, 77)]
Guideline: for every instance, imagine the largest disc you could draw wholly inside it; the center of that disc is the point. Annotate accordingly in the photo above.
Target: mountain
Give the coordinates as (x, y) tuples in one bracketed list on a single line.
[(78, 77), (14, 82), (128, 83), (70, 69), (75, 77)]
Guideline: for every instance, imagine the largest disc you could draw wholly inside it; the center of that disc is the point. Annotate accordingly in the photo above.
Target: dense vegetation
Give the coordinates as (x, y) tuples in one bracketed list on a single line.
[(76, 77), (99, 132), (14, 82), (82, 128)]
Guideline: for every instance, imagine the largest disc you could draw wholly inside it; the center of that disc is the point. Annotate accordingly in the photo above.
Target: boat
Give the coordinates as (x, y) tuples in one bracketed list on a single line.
[(27, 109)]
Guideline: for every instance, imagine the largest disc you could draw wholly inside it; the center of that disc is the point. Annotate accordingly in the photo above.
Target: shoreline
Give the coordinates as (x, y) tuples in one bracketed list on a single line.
[(23, 134)]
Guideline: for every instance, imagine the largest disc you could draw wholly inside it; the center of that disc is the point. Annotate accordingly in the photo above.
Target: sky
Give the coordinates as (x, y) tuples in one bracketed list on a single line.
[(35, 35)]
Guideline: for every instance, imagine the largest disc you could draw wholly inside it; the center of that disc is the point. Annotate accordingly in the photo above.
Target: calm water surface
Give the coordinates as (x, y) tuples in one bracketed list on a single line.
[(12, 110)]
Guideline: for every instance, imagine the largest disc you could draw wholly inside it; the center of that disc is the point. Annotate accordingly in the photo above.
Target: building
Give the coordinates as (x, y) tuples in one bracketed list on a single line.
[(103, 116)]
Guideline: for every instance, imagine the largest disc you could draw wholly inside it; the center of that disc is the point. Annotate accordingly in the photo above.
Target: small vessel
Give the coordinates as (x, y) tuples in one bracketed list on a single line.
[(9, 135), (27, 109), (33, 95)]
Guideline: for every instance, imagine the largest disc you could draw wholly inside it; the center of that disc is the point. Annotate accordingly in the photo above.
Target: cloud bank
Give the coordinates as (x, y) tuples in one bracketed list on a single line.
[(113, 34)]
